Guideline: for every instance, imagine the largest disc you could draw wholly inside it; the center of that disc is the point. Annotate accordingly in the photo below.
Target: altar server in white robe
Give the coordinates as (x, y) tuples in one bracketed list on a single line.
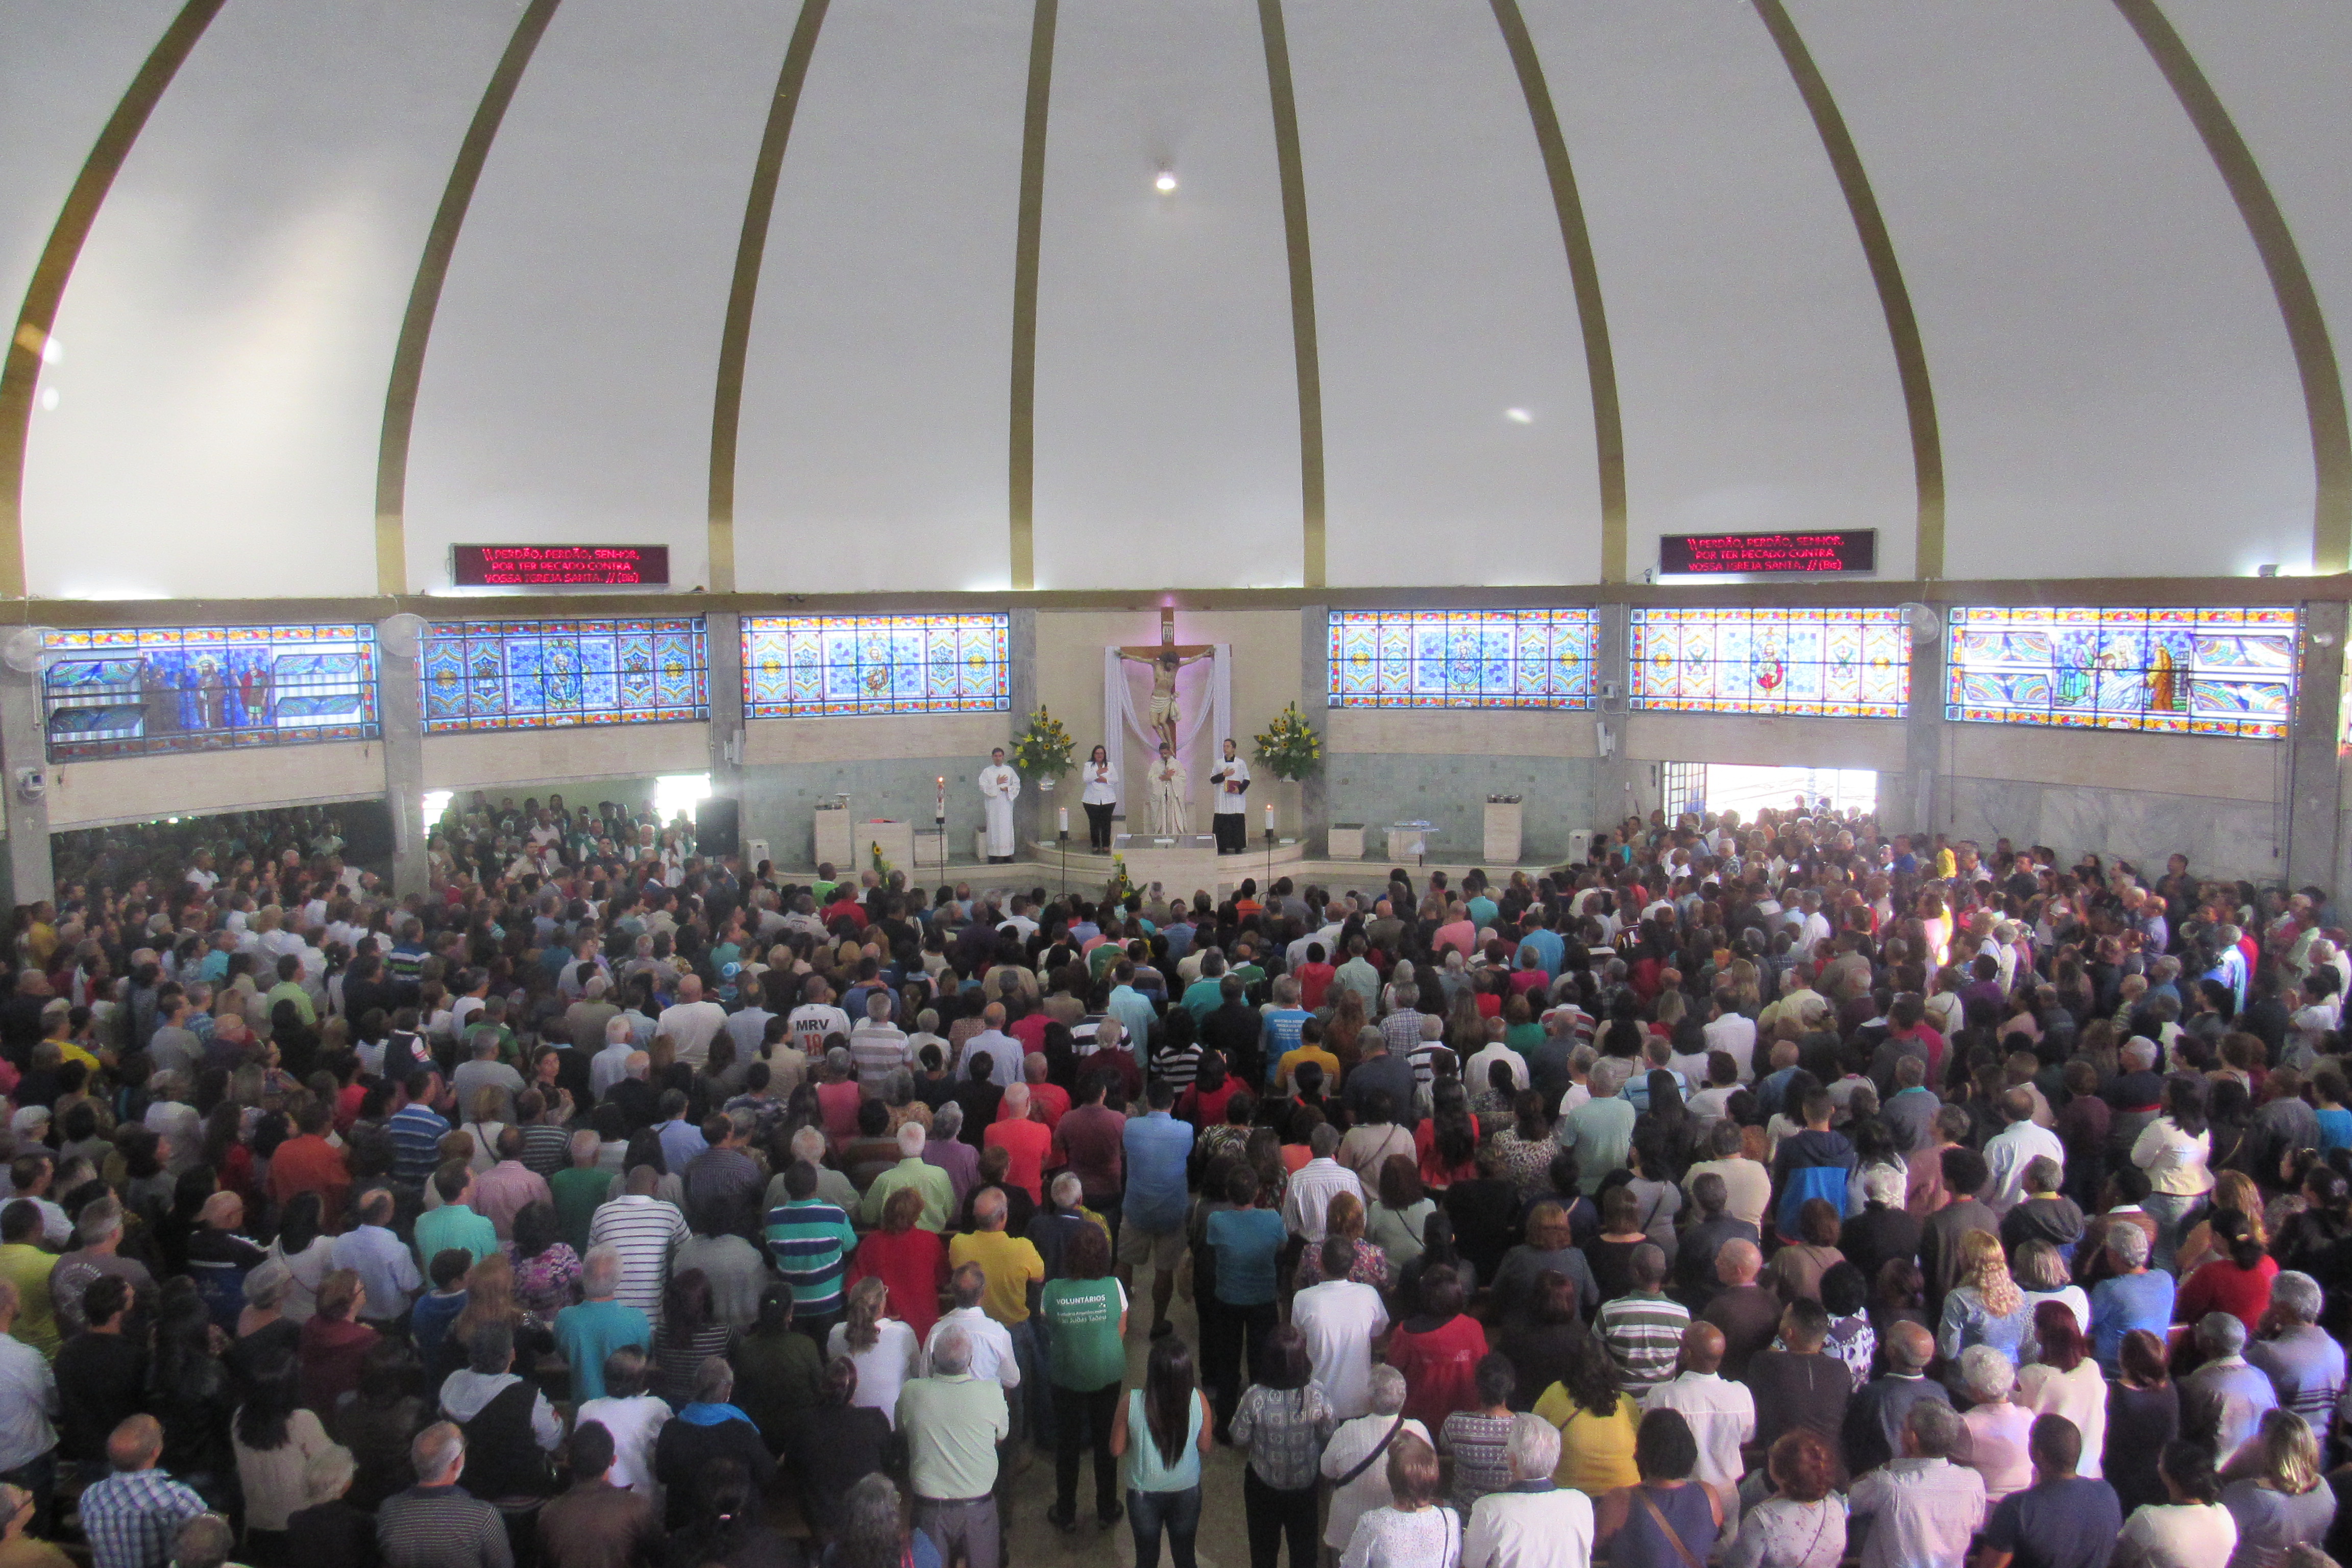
[(1100, 796), (1171, 794), (1232, 778), (999, 786)]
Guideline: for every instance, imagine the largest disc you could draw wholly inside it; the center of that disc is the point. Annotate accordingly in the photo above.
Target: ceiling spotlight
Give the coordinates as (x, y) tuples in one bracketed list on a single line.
[(1165, 183), (52, 350), (49, 399), (1519, 417)]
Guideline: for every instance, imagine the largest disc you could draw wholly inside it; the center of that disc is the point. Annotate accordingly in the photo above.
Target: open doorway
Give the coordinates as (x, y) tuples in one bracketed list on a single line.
[(1734, 786)]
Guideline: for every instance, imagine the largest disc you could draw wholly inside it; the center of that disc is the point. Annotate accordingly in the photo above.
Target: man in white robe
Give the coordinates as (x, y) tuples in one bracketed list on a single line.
[(998, 787), (1171, 794), (1231, 778)]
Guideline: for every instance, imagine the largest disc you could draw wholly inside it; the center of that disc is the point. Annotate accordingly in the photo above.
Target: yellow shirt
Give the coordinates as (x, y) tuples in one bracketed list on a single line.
[(1011, 1262), (28, 1268), (1316, 1054), (68, 1051), (1596, 1452)]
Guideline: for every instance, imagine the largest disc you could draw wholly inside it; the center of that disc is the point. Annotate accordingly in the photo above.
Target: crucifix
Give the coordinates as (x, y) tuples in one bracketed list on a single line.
[(1166, 658)]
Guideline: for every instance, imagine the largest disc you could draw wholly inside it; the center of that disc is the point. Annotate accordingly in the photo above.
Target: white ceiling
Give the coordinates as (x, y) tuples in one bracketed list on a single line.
[(2114, 389)]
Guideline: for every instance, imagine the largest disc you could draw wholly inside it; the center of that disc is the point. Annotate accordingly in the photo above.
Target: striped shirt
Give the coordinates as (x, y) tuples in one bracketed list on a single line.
[(808, 1240), (440, 1527), (546, 1148), (417, 1133), (1643, 1335), (877, 1053), (131, 1516), (645, 1231)]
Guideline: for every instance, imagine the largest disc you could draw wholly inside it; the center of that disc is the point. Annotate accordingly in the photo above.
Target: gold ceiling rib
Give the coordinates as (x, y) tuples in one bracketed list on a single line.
[(21, 370), (742, 294), (1886, 273), (2298, 303), (1584, 277), (1302, 287), (1022, 466), (425, 298)]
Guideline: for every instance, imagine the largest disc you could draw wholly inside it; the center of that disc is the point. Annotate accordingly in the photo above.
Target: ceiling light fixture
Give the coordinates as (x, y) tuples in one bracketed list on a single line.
[(1519, 417), (1165, 183)]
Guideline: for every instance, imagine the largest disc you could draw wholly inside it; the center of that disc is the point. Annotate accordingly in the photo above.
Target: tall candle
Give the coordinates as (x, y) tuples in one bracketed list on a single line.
[(1269, 816), (1064, 815), (943, 798)]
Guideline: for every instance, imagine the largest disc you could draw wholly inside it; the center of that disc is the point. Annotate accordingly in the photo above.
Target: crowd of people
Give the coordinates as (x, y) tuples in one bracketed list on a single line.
[(1777, 1193)]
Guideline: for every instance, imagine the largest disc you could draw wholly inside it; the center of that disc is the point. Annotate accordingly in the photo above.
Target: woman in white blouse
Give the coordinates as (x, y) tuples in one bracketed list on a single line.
[(1100, 796), (2173, 1150)]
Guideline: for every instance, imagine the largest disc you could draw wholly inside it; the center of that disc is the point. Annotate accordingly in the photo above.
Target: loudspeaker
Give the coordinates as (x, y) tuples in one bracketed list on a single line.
[(717, 824)]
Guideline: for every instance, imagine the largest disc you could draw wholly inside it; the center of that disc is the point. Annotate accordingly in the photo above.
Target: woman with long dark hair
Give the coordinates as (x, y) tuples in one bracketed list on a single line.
[(1167, 1425), (1669, 1517), (2190, 1527), (274, 1438), (2237, 1282), (725, 1525), (690, 1333), (838, 1444), (1597, 1421), (1446, 1144), (883, 1349)]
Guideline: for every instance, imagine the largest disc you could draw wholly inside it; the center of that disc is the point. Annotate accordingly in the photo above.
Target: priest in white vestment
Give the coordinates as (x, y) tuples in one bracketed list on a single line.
[(1171, 794), (998, 787)]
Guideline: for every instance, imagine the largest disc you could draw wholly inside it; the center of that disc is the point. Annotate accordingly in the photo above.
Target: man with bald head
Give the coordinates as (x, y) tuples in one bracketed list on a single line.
[(1875, 1418), (1749, 1314), (1722, 1414), (132, 1516), (1004, 1052)]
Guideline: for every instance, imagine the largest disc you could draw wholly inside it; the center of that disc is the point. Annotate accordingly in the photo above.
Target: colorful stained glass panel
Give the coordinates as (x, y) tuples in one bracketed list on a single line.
[(138, 690), (817, 667), (534, 675), (1462, 659), (1830, 662), (2179, 670)]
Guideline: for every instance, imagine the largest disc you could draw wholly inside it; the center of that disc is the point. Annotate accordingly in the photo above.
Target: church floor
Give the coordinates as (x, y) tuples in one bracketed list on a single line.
[(1221, 1541)]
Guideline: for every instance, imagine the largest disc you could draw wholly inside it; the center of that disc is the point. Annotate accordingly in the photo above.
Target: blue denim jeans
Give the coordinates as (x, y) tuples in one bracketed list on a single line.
[(1035, 1416), (1146, 1512)]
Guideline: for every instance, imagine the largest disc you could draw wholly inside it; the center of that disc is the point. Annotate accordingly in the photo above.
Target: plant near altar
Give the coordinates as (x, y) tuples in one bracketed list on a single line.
[(1044, 750), (1119, 886), (1288, 748), (874, 860)]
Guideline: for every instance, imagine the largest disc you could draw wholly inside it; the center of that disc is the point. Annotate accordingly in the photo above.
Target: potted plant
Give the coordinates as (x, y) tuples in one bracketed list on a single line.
[(1044, 750), (1288, 748)]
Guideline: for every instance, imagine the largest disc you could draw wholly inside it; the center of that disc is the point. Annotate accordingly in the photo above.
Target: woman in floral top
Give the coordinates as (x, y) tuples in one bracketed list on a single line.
[(1526, 1149), (1284, 1421), (1346, 1217), (547, 1271)]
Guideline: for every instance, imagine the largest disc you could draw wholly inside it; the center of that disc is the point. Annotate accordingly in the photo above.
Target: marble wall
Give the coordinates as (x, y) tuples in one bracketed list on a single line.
[(1450, 793), (2222, 837)]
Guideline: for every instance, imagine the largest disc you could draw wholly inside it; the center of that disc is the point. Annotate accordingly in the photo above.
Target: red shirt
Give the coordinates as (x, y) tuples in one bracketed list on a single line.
[(1089, 1141), (914, 1264), (1314, 980), (1028, 1142), (1435, 1174), (841, 906), (1205, 1108), (1440, 1367), (1051, 1100), (838, 1104), (2222, 1286), (309, 1164), (1030, 1031)]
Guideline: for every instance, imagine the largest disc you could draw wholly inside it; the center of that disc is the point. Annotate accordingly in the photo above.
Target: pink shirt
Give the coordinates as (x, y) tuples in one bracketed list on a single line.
[(505, 1190)]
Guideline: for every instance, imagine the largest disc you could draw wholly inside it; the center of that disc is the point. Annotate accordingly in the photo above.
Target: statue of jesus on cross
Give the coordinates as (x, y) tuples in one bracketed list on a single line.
[(1168, 657)]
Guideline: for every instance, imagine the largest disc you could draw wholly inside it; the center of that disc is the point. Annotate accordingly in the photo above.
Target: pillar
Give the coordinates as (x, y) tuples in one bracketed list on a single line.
[(1923, 742), (1314, 698), (24, 743), (402, 701), (724, 689), (1621, 786), (1033, 814), (2311, 809)]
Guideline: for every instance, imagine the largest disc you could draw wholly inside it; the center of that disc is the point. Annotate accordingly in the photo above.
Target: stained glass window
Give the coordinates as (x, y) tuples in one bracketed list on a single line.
[(2185, 670), (1831, 660), (533, 675), (134, 690), (804, 667), (1462, 659)]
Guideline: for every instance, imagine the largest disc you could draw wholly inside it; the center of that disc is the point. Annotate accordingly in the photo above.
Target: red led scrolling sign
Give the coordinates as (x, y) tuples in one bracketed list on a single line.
[(560, 566), (1767, 555)]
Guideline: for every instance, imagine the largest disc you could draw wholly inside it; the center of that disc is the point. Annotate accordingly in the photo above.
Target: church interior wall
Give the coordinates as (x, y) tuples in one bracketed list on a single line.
[(2222, 837), (140, 789), (503, 758)]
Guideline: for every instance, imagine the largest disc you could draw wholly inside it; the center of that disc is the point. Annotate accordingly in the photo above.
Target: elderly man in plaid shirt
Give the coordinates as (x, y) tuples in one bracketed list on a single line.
[(132, 1516)]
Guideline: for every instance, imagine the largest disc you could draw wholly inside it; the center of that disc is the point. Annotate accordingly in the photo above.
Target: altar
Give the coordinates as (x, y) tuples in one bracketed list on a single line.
[(1182, 864)]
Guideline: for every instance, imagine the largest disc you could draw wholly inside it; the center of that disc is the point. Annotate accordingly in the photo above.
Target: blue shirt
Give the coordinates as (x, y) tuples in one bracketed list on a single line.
[(590, 1331), (2335, 1128), (417, 1133), (1249, 1245), (1280, 1035), (387, 1273), (681, 1141), (1156, 1147), (1550, 950), (1134, 1011), (2125, 1302)]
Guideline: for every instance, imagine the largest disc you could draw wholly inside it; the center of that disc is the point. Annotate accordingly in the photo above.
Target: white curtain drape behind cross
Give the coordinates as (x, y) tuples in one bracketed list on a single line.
[(1119, 711)]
